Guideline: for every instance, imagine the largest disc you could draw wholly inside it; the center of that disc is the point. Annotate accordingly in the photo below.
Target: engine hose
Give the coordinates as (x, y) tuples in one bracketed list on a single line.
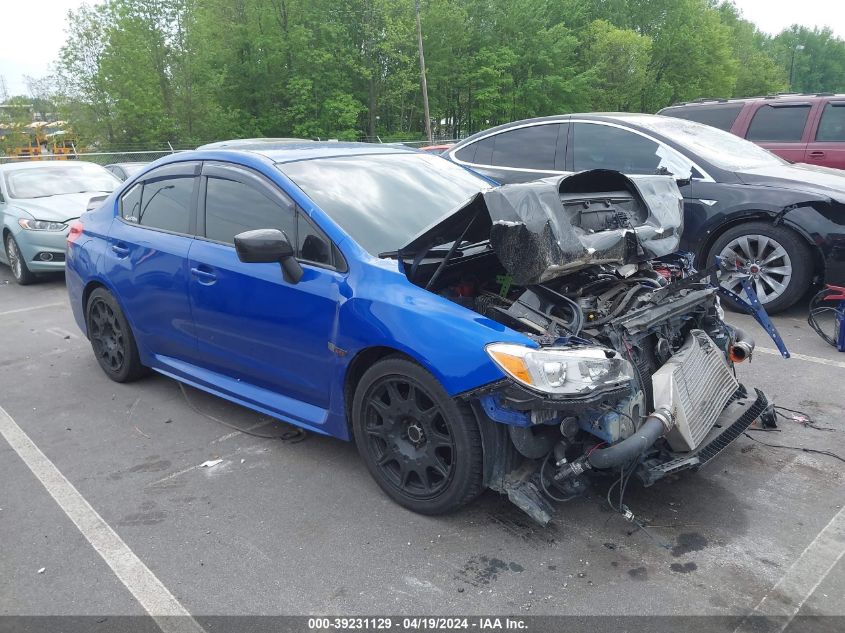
[(577, 316), (648, 280), (618, 306), (741, 335), (742, 346), (631, 447)]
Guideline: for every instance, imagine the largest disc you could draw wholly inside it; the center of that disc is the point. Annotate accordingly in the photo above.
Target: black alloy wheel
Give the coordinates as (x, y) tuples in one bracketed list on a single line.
[(421, 446), (111, 338), (409, 437)]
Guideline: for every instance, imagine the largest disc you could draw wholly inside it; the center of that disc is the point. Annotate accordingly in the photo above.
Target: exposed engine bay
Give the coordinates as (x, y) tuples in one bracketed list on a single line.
[(633, 366)]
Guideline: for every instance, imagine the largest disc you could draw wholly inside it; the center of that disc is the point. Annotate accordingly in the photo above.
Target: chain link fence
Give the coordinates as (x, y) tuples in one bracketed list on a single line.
[(101, 158)]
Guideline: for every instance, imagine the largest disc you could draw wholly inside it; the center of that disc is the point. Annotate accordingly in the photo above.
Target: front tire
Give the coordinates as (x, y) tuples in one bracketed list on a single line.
[(111, 338), (779, 261), (17, 262), (421, 446)]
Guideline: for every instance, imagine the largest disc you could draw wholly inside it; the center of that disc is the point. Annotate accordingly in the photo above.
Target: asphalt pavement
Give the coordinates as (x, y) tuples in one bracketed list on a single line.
[(301, 529)]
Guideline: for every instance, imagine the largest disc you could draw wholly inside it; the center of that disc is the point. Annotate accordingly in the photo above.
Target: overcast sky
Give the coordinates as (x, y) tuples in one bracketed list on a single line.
[(33, 30)]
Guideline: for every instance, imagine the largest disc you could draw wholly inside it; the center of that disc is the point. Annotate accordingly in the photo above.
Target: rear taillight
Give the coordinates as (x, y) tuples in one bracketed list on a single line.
[(75, 231)]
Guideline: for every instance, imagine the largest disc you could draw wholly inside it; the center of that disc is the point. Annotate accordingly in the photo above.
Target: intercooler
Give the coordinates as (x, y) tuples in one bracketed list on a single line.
[(695, 384)]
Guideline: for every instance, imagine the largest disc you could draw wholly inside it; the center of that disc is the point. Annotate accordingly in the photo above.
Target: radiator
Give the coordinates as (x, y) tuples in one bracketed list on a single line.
[(696, 384)]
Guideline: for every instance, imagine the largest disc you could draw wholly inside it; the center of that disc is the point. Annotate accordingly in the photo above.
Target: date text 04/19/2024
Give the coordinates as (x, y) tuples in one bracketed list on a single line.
[(415, 624)]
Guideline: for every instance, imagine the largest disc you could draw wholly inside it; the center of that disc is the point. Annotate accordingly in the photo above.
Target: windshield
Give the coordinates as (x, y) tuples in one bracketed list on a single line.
[(56, 180), (383, 200), (722, 149)]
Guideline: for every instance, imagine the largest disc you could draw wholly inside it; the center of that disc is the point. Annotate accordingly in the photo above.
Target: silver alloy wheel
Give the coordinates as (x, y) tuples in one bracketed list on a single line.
[(765, 260), (14, 257)]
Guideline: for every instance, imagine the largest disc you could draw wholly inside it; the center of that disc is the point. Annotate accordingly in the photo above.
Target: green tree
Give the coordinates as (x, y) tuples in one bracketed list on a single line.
[(618, 61), (758, 72), (819, 65)]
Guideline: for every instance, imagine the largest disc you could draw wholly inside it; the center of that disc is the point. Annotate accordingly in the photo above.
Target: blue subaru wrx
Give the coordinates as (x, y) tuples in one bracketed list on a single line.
[(520, 338)]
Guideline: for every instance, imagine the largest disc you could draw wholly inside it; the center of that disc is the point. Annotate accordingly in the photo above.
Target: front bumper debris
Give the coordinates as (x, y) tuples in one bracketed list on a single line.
[(743, 409)]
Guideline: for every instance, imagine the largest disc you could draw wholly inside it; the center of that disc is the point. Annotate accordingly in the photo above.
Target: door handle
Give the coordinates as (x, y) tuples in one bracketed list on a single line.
[(817, 154), (204, 276), (120, 249)]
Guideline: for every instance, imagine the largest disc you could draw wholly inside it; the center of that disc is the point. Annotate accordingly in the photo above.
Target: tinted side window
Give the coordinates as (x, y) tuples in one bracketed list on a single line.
[(484, 154), (166, 203), (233, 207), (478, 153), (528, 147), (467, 154), (832, 125), (606, 147), (720, 115), (313, 245), (778, 123), (130, 204)]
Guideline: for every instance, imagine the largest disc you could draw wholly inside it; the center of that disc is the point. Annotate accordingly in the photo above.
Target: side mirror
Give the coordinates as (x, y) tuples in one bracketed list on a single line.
[(266, 246)]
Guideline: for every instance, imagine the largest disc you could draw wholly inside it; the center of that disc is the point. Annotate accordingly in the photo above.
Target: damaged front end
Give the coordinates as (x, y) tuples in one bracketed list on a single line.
[(631, 367)]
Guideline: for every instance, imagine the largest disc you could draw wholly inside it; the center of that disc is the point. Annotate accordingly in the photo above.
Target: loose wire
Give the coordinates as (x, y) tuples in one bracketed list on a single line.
[(815, 311), (797, 448), (291, 436)]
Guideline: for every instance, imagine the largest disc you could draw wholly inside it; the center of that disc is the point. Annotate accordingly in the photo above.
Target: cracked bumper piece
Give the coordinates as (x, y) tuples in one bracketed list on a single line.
[(737, 416)]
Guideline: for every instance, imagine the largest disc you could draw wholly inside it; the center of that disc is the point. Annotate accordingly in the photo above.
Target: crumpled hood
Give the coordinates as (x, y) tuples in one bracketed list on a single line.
[(813, 179), (61, 208), (547, 228)]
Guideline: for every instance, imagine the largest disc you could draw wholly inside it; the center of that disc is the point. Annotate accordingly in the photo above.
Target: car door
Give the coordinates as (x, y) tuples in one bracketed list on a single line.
[(781, 127), (520, 154), (146, 259), (827, 136), (266, 336)]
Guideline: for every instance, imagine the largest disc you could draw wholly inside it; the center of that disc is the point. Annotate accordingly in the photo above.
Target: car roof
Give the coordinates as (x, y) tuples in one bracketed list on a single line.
[(626, 117), (786, 96), (137, 162), (250, 142), (290, 152)]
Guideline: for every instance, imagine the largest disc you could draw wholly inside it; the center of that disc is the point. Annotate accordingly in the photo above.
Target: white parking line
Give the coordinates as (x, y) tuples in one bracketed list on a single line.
[(811, 359), (154, 597), (802, 578), (29, 309)]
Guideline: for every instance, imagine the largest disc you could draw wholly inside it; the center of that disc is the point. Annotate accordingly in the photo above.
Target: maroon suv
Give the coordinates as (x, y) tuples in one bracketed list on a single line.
[(802, 128)]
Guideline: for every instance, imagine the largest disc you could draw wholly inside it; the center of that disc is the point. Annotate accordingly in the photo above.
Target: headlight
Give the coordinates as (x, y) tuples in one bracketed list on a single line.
[(574, 371), (41, 225)]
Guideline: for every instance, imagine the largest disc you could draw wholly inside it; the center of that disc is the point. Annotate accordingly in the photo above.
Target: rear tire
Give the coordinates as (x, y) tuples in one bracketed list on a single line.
[(779, 259), (112, 339), (421, 446), (17, 263)]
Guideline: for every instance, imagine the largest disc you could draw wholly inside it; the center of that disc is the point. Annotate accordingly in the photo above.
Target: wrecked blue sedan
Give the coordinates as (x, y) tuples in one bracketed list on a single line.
[(467, 336)]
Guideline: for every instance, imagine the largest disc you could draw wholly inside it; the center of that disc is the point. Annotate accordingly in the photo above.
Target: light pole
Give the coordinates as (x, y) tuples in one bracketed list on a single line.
[(423, 82), (797, 47)]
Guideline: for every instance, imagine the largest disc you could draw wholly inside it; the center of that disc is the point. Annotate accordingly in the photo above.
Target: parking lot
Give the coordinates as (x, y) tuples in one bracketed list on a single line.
[(300, 528)]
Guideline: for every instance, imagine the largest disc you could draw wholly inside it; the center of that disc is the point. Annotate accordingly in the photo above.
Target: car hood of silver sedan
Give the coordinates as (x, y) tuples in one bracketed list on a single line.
[(60, 208)]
